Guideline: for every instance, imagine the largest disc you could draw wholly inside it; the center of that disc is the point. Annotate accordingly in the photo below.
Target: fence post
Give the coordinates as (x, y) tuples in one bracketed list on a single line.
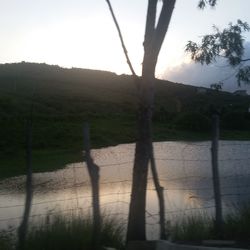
[(160, 194), (93, 171), (23, 228), (216, 176)]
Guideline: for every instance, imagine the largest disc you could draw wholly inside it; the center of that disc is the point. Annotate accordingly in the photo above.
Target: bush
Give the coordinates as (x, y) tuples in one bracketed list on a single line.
[(192, 121), (236, 120)]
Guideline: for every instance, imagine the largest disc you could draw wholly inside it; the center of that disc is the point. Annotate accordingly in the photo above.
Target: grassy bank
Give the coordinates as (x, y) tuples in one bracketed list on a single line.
[(42, 161), (13, 163), (72, 232)]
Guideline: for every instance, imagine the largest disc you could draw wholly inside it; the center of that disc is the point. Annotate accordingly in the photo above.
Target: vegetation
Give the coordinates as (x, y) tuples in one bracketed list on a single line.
[(74, 232), (66, 98), (227, 44), (198, 227), (71, 232)]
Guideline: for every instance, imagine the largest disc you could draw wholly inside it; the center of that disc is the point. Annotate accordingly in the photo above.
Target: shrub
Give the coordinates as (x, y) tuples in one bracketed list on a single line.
[(192, 121)]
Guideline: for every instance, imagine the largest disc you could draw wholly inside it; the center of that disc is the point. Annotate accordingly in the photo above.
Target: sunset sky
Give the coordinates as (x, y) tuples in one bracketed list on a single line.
[(80, 33)]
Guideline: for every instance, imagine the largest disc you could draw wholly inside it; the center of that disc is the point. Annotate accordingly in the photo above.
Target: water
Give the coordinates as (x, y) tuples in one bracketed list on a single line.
[(184, 170)]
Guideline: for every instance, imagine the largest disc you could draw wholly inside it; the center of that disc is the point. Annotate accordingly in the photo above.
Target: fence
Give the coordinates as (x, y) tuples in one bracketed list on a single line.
[(184, 171)]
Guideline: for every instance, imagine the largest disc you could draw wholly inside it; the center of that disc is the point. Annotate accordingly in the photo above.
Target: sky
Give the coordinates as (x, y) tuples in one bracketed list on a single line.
[(80, 33)]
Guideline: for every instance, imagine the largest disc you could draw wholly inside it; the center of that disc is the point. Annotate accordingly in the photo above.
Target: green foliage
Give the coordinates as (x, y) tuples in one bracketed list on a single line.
[(236, 121), (192, 121), (237, 224), (243, 75), (73, 233), (193, 229), (68, 232), (6, 241), (216, 86), (66, 98), (227, 43), (163, 115), (197, 227), (202, 3), (42, 161)]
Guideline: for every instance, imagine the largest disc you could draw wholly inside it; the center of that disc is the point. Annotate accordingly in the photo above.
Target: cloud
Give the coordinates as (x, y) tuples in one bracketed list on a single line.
[(204, 75)]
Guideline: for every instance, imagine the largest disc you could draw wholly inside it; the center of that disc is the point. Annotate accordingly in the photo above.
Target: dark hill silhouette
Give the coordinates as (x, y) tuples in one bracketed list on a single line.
[(65, 98), (96, 85)]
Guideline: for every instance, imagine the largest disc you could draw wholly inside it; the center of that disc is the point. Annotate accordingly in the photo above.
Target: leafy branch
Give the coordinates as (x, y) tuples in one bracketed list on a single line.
[(228, 44)]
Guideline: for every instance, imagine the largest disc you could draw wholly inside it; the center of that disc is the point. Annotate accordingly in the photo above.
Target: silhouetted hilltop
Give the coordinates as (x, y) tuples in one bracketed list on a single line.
[(90, 86), (65, 98)]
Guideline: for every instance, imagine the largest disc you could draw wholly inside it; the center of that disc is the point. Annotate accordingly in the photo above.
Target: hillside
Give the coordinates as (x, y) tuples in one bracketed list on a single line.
[(63, 99)]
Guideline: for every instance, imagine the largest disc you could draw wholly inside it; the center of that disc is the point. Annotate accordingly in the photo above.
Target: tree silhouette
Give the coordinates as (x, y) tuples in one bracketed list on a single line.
[(228, 44), (155, 32), (216, 86)]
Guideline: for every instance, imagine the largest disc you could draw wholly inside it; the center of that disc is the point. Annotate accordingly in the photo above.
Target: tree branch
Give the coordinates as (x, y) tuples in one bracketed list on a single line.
[(150, 24), (245, 60), (121, 39), (163, 23)]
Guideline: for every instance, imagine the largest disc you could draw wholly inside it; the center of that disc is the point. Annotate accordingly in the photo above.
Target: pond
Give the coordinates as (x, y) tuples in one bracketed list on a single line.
[(184, 170)]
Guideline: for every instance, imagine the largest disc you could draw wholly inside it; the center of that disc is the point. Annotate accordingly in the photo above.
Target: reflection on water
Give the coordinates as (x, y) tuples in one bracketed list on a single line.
[(184, 172)]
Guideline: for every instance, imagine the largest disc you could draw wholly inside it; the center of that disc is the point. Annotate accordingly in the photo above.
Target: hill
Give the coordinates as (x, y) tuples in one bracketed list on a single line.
[(63, 99)]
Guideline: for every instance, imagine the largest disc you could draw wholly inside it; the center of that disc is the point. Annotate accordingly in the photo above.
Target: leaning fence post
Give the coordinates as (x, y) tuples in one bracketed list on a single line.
[(215, 171), (160, 194), (93, 171), (23, 228)]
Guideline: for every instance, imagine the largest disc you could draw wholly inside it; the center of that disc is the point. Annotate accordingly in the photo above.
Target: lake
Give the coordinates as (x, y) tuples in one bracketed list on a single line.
[(184, 170)]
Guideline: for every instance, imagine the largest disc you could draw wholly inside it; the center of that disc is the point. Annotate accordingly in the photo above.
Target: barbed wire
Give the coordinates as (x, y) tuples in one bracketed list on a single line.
[(117, 203)]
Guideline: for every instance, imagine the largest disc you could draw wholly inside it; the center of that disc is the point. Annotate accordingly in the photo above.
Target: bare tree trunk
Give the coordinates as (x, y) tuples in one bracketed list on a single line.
[(23, 228), (216, 176), (93, 171), (154, 36), (136, 220), (160, 194)]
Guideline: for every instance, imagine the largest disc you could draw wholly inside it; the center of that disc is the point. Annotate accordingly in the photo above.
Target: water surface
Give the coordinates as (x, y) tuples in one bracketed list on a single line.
[(184, 170)]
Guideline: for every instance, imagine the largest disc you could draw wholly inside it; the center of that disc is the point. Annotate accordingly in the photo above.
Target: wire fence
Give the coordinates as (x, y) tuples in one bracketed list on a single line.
[(184, 171)]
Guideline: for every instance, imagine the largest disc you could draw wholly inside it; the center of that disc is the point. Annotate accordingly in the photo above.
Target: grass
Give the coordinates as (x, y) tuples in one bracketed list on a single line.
[(192, 229), (43, 161), (237, 224), (195, 228), (66, 98), (74, 231), (6, 241), (71, 232), (103, 133)]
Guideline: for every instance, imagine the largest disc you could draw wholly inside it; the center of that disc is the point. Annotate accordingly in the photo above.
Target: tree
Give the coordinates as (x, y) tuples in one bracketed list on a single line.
[(154, 36), (227, 44), (155, 32), (216, 86)]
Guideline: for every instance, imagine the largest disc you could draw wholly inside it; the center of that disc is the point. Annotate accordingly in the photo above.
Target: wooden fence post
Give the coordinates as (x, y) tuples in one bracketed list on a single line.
[(216, 176), (160, 194), (23, 228), (93, 171)]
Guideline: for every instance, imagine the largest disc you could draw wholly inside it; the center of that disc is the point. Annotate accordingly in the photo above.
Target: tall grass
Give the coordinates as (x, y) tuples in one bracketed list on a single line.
[(74, 231), (237, 224), (192, 228), (6, 240), (198, 227), (71, 232)]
